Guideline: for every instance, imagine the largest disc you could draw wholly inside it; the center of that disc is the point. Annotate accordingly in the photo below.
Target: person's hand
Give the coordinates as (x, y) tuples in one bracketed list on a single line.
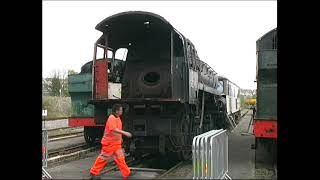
[(129, 135)]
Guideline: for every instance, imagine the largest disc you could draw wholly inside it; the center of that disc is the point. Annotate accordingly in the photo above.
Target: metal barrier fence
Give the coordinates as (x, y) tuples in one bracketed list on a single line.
[(210, 155), (44, 147), (45, 174)]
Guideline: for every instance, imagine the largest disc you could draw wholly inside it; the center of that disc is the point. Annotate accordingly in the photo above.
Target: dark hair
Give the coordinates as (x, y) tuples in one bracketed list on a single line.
[(116, 107)]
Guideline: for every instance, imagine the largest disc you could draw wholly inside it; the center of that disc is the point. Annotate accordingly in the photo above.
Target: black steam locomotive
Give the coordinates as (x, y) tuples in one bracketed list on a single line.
[(169, 95)]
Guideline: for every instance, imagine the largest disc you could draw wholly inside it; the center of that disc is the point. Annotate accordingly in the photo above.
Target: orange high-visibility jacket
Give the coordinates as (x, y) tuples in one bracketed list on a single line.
[(111, 138)]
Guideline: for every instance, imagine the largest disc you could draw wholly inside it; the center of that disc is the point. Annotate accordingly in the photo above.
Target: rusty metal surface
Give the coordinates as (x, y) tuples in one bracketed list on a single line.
[(101, 79)]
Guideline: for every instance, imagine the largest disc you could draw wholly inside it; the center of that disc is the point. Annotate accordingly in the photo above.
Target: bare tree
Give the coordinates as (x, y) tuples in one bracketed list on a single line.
[(57, 83)]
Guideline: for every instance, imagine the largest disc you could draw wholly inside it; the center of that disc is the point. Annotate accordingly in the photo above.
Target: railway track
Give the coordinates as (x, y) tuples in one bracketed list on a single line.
[(65, 136), (167, 172), (69, 153), (64, 133), (144, 164), (245, 113), (67, 150), (64, 128), (242, 115), (129, 160)]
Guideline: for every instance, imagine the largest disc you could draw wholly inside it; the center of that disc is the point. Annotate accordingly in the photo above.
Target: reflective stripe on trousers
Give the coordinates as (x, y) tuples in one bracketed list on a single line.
[(114, 155)]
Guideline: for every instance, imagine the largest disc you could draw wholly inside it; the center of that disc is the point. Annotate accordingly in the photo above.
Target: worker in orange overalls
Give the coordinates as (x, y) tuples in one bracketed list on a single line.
[(111, 145)]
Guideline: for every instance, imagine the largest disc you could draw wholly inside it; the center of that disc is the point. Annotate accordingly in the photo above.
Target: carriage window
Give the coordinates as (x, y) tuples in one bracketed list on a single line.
[(222, 84), (121, 54), (236, 92), (233, 93), (220, 87)]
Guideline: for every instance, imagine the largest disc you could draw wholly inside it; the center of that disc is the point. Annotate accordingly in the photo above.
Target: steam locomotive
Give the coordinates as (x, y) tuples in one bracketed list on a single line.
[(265, 119), (169, 95)]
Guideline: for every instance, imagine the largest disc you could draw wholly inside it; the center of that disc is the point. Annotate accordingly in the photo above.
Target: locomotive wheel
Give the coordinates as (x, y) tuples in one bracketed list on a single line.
[(89, 135), (185, 155)]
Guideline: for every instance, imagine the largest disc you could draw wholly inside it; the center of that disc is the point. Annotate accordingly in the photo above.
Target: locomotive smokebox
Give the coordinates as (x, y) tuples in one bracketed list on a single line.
[(151, 81)]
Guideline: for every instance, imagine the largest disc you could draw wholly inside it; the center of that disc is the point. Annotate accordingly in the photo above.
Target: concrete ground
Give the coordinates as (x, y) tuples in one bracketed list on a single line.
[(241, 156), (183, 172)]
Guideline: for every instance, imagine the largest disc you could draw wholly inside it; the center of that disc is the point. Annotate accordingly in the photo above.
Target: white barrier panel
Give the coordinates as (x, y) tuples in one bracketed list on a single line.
[(210, 155), (45, 174), (44, 147)]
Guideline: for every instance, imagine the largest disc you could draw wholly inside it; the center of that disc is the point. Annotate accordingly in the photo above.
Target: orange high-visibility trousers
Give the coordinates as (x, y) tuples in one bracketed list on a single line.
[(107, 153)]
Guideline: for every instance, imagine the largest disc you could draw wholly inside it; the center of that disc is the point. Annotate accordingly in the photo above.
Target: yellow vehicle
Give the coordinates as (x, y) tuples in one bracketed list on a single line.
[(251, 102)]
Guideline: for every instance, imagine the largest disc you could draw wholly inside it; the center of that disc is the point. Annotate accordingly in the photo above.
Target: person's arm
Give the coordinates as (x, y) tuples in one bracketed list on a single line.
[(129, 135)]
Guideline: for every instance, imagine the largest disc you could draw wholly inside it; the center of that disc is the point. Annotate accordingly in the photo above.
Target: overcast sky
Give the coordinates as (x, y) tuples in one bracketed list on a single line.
[(224, 33)]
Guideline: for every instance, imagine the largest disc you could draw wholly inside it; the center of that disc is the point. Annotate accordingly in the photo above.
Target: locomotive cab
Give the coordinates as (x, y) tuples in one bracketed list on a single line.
[(154, 67)]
